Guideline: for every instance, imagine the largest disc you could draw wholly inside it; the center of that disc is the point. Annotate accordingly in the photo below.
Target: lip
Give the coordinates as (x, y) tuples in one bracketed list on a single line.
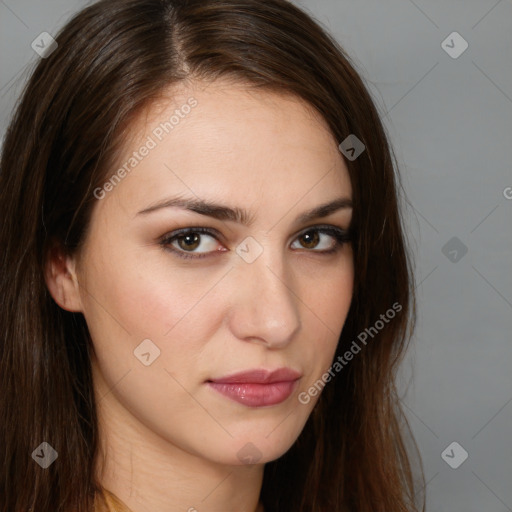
[(257, 388), (259, 376)]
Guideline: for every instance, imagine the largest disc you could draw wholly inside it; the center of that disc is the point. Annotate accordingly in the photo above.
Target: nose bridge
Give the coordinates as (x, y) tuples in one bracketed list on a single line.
[(266, 306)]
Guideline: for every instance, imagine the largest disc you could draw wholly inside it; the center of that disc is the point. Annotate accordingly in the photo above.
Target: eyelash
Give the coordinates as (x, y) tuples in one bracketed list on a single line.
[(341, 236)]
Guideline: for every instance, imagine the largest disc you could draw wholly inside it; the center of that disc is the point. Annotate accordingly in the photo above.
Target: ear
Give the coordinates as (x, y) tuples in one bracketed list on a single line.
[(61, 279)]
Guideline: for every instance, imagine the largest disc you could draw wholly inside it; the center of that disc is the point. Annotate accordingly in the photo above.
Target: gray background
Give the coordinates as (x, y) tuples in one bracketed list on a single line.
[(450, 121)]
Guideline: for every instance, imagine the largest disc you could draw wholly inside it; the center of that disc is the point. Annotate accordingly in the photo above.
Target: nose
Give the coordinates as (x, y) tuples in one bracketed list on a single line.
[(264, 304)]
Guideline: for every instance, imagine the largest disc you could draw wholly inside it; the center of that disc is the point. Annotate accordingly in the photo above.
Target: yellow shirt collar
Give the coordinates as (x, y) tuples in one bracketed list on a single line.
[(107, 501)]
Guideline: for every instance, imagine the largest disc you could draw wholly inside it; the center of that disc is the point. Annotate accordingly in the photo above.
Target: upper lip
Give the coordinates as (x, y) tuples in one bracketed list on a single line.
[(260, 376)]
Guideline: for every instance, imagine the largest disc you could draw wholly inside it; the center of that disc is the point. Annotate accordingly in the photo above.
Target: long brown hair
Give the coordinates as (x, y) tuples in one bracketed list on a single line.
[(113, 59)]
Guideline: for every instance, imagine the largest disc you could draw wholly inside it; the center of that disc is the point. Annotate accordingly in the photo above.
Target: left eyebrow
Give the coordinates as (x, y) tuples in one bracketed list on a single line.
[(239, 215)]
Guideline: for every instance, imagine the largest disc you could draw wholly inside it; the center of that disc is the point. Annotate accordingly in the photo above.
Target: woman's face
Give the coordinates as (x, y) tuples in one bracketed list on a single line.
[(167, 315)]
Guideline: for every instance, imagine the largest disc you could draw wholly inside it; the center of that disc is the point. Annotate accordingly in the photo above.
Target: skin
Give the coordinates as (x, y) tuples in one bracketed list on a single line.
[(170, 442)]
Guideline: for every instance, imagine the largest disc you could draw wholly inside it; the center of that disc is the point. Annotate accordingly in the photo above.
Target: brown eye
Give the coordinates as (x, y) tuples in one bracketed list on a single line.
[(311, 239), (184, 242), (317, 239), (189, 241)]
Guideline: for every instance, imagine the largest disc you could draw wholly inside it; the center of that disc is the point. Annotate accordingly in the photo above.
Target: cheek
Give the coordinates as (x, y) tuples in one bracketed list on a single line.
[(326, 304), (177, 303), (135, 301), (326, 291), (178, 309), (145, 295)]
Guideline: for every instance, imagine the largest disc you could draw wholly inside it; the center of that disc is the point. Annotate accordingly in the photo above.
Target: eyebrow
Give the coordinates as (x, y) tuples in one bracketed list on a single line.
[(239, 215)]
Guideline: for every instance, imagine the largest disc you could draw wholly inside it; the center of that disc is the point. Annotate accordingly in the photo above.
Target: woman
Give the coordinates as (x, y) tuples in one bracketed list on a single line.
[(206, 288)]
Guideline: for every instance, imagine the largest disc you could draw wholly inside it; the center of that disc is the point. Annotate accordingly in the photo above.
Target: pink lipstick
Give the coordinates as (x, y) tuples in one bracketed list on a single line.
[(257, 388)]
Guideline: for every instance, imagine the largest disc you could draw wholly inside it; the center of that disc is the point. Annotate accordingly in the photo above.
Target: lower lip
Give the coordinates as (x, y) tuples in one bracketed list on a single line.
[(256, 395)]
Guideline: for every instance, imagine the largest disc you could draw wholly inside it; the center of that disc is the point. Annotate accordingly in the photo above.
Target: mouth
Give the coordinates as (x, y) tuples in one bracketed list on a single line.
[(257, 388)]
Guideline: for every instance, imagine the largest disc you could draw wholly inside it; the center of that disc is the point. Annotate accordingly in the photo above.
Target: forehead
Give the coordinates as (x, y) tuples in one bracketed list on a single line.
[(228, 139), (232, 114)]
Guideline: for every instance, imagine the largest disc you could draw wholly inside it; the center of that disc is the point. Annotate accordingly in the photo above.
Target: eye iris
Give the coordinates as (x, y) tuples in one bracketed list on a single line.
[(193, 238), (313, 240)]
